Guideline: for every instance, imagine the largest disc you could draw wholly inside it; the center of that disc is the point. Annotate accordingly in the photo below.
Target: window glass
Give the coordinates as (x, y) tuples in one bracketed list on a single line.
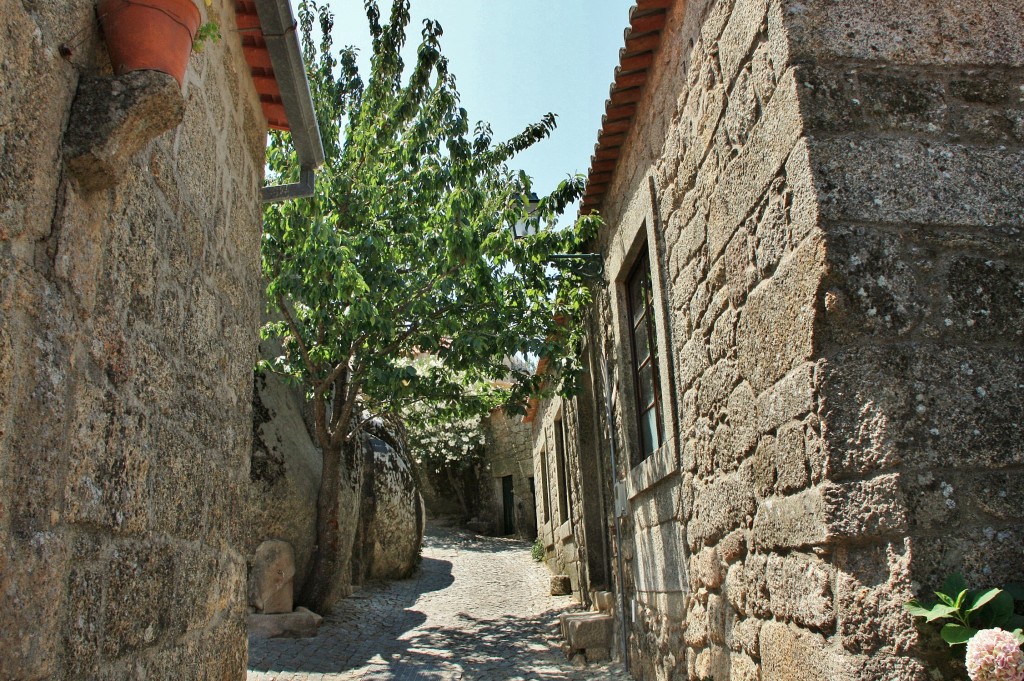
[(649, 431), (642, 343), (646, 380), (636, 299), (644, 356), (561, 473)]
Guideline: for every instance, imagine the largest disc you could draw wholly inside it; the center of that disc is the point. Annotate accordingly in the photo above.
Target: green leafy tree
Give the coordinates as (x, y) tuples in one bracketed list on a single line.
[(406, 247), (446, 438)]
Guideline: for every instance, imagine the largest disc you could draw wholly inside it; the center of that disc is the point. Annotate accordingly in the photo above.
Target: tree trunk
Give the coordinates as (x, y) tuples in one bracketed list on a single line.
[(330, 576), (460, 494)]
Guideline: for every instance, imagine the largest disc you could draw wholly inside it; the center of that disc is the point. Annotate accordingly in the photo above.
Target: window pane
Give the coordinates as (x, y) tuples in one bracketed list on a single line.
[(649, 431), (636, 297), (646, 380), (641, 343)]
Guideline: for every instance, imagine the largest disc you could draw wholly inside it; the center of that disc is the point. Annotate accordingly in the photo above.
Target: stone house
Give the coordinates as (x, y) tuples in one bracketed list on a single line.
[(506, 482), (129, 306), (813, 333)]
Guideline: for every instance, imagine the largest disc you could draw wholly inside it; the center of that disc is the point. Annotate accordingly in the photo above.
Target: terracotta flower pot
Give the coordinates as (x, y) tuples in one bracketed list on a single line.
[(149, 34)]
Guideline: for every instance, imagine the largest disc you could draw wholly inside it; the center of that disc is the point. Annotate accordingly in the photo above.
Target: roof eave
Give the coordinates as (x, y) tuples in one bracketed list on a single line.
[(642, 40), (279, 31)]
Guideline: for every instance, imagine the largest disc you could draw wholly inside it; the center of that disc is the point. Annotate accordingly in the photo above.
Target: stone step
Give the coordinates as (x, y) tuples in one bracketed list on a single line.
[(587, 630)]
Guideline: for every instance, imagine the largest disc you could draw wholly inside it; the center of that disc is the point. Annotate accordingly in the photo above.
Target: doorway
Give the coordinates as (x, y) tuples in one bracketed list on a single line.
[(508, 500)]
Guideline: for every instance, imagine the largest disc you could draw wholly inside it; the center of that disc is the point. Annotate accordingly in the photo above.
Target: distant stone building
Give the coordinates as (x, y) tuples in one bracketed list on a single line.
[(129, 306), (506, 479), (813, 328)]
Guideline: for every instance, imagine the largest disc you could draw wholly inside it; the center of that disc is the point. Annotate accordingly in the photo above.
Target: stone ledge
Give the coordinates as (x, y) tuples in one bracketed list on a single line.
[(652, 470), (112, 118), (586, 631)]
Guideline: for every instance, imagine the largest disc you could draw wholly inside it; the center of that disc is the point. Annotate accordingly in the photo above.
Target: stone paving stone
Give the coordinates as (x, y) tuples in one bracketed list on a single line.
[(478, 608)]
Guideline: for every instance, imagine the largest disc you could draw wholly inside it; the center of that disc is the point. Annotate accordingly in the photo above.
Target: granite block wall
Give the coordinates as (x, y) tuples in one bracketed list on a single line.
[(128, 321), (507, 453), (830, 197)]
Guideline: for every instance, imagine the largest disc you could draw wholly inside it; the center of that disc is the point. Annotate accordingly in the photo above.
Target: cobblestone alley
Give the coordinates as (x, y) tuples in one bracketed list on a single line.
[(478, 608)]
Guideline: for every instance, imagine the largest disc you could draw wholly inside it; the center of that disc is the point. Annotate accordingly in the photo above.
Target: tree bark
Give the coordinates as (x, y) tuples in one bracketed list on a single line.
[(460, 494), (330, 575)]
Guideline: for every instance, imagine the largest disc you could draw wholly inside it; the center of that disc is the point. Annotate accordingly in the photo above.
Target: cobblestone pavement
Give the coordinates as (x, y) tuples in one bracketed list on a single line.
[(478, 608)]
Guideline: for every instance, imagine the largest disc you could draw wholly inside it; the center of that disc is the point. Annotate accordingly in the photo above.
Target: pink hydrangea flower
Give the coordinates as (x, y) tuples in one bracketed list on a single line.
[(995, 655)]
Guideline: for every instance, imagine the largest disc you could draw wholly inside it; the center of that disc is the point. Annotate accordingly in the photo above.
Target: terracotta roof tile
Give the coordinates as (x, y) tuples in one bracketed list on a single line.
[(642, 39), (256, 55)]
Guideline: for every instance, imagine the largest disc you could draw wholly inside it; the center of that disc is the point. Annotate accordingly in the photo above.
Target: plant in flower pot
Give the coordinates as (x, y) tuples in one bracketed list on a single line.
[(153, 34)]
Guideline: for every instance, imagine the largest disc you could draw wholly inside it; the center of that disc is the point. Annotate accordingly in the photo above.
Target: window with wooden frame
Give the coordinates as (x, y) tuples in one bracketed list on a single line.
[(644, 346)]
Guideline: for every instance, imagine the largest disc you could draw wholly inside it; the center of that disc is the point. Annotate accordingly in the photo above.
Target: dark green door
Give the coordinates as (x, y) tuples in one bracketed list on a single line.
[(508, 502)]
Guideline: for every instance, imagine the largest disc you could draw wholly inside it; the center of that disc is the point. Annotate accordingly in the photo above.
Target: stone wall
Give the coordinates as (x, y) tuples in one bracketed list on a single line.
[(829, 194), (913, 121), (507, 452), (560, 530), (575, 540), (128, 323)]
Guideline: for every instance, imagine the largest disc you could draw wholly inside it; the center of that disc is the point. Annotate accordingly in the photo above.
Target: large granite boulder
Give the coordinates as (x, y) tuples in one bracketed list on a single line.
[(284, 473), (392, 512), (387, 526)]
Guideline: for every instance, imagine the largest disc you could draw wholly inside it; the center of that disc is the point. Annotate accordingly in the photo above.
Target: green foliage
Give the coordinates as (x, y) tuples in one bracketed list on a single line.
[(208, 32), (446, 435), (963, 611), (406, 246), (537, 552)]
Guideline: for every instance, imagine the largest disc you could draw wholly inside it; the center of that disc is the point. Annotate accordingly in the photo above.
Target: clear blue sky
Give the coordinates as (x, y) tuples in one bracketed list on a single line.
[(515, 60)]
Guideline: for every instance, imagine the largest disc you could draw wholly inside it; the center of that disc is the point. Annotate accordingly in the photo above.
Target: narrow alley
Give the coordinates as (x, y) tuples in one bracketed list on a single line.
[(478, 608)]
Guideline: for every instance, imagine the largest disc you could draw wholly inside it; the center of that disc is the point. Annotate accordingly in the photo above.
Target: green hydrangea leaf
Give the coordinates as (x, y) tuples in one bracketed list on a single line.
[(979, 599), (930, 613), (957, 634)]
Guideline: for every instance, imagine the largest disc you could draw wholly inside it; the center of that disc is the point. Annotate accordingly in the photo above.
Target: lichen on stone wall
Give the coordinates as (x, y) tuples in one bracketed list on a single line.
[(267, 465)]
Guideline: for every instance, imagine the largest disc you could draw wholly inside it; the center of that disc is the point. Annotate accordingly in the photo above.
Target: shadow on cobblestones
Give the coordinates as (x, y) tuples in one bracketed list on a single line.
[(507, 648), (478, 608), (373, 619)]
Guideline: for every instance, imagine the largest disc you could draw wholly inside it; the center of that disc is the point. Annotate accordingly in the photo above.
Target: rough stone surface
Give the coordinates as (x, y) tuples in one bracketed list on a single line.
[(128, 329), (284, 472), (383, 518), (507, 452), (112, 118), (271, 578), (829, 196), (587, 631), (391, 518), (561, 585), (302, 623)]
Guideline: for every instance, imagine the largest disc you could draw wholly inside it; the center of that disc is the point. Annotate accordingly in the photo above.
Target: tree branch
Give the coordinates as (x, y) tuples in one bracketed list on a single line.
[(303, 350)]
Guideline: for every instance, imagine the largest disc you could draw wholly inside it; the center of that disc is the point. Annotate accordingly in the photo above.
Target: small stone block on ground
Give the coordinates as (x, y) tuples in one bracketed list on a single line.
[(271, 578), (604, 601), (302, 623), (561, 585)]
